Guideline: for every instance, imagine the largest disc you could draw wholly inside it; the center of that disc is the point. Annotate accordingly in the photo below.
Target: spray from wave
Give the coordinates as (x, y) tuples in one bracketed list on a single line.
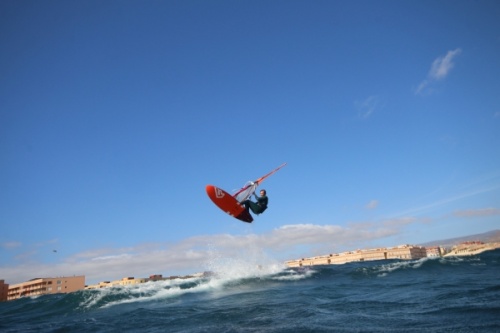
[(224, 274)]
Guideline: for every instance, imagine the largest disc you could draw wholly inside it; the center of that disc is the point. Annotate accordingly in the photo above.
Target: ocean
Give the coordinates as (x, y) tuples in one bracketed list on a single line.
[(454, 294)]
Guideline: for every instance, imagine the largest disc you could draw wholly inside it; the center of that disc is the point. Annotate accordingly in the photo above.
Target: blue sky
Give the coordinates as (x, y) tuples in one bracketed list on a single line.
[(114, 115)]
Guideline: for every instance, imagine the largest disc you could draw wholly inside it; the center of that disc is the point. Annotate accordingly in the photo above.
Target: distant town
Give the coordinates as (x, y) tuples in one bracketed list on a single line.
[(402, 252), (68, 284)]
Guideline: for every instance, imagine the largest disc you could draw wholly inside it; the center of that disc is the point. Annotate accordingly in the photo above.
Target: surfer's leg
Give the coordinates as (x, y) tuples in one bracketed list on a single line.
[(253, 206)]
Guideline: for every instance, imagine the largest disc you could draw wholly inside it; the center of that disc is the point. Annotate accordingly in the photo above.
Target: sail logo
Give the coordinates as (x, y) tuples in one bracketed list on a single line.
[(219, 193)]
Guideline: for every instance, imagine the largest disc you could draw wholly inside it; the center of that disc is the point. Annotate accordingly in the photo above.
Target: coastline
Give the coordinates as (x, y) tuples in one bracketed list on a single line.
[(471, 249)]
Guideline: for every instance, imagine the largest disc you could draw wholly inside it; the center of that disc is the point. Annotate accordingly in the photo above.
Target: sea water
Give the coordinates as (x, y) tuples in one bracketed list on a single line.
[(453, 294)]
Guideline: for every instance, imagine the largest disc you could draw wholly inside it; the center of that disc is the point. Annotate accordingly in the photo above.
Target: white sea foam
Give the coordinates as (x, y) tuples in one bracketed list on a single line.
[(149, 291), (251, 262), (224, 270), (294, 275), (391, 267)]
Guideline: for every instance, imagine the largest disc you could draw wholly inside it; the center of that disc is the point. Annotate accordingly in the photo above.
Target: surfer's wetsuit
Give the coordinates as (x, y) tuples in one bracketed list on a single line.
[(257, 207)]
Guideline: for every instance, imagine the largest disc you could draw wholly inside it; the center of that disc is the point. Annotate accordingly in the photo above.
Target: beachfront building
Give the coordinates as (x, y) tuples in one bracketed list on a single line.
[(398, 252), (434, 251), (43, 286), (472, 248), (126, 281), (4, 290)]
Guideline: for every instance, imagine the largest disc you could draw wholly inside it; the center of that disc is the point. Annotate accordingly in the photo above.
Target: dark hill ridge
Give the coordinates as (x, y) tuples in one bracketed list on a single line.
[(487, 237)]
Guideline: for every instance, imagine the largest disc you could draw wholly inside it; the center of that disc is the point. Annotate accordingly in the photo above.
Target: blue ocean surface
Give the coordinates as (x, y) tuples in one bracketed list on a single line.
[(454, 294)]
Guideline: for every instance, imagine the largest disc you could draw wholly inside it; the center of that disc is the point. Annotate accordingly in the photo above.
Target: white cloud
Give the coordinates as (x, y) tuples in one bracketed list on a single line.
[(477, 212), (445, 201), (197, 254), (440, 69), (421, 87), (372, 204), (398, 222), (10, 245), (368, 106), (442, 66)]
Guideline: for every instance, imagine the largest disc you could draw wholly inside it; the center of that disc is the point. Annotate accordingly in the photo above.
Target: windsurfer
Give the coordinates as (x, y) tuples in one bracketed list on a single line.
[(257, 207)]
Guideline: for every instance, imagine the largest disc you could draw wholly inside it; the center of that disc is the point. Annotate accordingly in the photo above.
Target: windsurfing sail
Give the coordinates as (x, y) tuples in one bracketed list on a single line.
[(246, 191), (250, 187)]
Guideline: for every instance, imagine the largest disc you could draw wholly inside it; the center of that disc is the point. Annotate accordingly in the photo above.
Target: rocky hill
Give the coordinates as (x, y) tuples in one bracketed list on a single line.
[(487, 237)]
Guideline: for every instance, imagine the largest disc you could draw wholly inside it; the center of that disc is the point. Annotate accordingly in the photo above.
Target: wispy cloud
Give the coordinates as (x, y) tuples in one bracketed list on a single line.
[(398, 222), (442, 66), (440, 69), (477, 212), (448, 200), (368, 106), (372, 204), (10, 245), (197, 253)]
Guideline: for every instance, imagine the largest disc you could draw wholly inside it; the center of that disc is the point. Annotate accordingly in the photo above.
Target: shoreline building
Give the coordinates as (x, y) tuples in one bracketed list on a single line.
[(405, 252), (44, 286), (4, 290), (435, 251), (471, 248), (127, 281)]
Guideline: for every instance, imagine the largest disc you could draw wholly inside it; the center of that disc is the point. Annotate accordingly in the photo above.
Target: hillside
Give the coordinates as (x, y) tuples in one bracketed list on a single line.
[(487, 237)]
